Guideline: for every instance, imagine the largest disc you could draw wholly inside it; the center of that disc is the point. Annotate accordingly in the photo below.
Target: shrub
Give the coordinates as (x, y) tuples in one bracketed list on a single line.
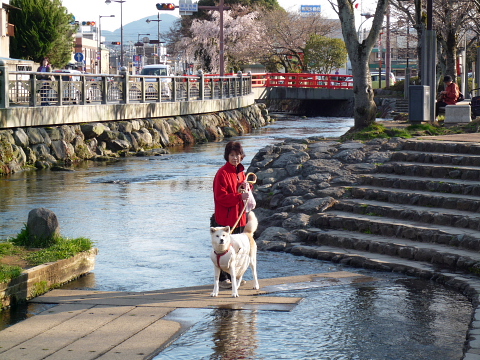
[(25, 239)]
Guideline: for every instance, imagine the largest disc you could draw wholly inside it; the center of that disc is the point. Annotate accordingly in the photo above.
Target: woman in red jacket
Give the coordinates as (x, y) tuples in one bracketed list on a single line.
[(229, 203)]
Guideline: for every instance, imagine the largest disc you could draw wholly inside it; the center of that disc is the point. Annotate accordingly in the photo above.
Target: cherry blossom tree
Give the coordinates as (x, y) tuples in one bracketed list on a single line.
[(241, 39)]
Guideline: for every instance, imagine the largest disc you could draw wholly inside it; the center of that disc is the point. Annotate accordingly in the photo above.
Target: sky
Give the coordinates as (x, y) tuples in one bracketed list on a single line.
[(90, 10)]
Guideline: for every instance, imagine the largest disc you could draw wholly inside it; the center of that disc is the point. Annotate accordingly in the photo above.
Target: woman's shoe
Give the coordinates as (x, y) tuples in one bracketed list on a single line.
[(225, 284)]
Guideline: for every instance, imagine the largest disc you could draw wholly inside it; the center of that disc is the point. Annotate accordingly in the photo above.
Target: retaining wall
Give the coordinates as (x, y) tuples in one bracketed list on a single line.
[(48, 146), (40, 279)]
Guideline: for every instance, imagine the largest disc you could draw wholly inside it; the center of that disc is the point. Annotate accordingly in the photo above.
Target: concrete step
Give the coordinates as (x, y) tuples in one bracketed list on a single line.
[(428, 199), (383, 262), (434, 146), (436, 254), (434, 216), (436, 158), (431, 170), (468, 239), (401, 105), (418, 183)]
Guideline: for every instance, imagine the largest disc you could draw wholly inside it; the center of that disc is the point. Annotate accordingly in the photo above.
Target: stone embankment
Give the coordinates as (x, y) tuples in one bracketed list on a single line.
[(43, 147), (407, 206)]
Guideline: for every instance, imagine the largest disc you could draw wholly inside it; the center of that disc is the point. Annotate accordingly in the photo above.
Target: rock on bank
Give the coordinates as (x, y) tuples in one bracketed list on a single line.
[(43, 147)]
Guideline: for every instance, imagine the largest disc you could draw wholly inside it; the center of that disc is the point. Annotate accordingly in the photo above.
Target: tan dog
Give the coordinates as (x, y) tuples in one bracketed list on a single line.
[(234, 254)]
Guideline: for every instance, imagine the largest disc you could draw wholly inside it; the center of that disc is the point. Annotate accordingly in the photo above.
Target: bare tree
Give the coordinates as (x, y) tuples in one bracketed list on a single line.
[(287, 34), (451, 18), (365, 109)]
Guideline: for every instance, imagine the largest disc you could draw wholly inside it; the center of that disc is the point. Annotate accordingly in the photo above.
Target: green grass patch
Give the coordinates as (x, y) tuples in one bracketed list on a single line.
[(8, 249), (9, 272), (64, 249), (377, 130), (21, 246)]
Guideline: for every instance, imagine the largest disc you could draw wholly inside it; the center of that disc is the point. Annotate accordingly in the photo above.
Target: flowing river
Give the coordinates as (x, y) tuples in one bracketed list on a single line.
[(149, 217)]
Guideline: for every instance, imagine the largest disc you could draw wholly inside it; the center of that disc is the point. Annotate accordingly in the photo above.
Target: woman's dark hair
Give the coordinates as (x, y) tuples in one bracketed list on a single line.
[(233, 146), (447, 78)]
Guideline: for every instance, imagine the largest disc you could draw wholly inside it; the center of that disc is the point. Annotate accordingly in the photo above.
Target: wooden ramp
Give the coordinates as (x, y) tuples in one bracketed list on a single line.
[(132, 326)]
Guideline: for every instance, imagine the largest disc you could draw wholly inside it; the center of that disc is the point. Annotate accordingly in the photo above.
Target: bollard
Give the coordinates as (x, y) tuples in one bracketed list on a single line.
[(4, 102), (249, 83), (33, 91), (174, 89), (104, 90), (201, 84), (125, 84), (143, 88), (240, 84), (83, 100)]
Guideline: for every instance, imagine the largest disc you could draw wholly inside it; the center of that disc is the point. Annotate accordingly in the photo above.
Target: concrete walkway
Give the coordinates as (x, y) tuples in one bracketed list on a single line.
[(127, 325)]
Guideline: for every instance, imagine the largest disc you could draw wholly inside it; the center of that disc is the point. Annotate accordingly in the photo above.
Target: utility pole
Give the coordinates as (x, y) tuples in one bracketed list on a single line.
[(221, 7)]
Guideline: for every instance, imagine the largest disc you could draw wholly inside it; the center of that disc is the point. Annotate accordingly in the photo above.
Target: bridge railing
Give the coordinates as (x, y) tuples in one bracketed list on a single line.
[(301, 80), (22, 88)]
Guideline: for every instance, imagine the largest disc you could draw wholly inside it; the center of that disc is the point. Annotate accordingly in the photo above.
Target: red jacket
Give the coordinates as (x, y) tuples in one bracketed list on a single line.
[(452, 93), (228, 201)]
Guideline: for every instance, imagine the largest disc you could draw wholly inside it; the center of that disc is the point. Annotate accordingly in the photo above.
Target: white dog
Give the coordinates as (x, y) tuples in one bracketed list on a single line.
[(234, 254)]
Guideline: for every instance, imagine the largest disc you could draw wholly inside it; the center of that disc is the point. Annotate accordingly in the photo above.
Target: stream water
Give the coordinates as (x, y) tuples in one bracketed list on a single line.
[(149, 217)]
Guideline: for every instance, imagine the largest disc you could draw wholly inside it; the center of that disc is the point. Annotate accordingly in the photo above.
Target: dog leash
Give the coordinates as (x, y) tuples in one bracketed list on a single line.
[(253, 181)]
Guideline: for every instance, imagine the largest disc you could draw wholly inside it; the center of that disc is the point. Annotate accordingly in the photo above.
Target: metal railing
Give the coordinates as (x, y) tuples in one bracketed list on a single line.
[(22, 88), (303, 80)]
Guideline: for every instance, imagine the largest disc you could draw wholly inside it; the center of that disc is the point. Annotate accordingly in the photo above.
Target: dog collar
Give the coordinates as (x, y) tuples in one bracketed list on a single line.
[(220, 255)]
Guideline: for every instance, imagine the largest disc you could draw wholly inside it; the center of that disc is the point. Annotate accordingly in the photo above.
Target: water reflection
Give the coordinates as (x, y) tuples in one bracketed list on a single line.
[(234, 334), (375, 321)]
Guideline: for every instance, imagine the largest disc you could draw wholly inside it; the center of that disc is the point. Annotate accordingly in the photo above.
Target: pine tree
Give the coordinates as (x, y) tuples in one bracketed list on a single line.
[(42, 28)]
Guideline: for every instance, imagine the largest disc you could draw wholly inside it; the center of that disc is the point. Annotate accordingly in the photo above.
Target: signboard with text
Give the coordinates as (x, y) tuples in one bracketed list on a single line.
[(188, 7), (311, 8)]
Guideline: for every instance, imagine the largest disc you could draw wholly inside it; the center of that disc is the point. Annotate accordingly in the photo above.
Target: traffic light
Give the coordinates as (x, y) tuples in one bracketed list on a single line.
[(88, 23), (116, 43), (164, 6)]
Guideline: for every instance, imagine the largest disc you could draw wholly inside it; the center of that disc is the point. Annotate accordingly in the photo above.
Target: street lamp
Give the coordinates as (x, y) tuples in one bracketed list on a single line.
[(158, 32), (99, 35), (367, 17), (121, 26)]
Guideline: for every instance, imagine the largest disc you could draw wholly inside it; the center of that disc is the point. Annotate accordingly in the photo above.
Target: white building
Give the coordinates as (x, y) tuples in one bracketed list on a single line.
[(7, 30)]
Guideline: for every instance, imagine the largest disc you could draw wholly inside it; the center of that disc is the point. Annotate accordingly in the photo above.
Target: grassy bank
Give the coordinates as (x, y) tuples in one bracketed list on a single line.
[(391, 129), (19, 253)]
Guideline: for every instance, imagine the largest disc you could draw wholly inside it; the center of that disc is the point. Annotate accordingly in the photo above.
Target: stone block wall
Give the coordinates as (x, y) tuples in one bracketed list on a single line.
[(40, 279), (43, 147)]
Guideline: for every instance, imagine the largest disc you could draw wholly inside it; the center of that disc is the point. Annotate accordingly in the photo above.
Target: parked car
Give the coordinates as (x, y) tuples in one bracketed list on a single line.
[(376, 77), (157, 70), (72, 84)]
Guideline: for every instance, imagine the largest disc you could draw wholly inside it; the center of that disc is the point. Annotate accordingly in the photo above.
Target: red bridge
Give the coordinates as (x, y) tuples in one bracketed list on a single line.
[(279, 86), (295, 80)]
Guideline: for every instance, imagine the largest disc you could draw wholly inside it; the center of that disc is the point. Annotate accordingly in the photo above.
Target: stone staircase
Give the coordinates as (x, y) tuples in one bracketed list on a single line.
[(401, 106), (418, 214), (423, 205)]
